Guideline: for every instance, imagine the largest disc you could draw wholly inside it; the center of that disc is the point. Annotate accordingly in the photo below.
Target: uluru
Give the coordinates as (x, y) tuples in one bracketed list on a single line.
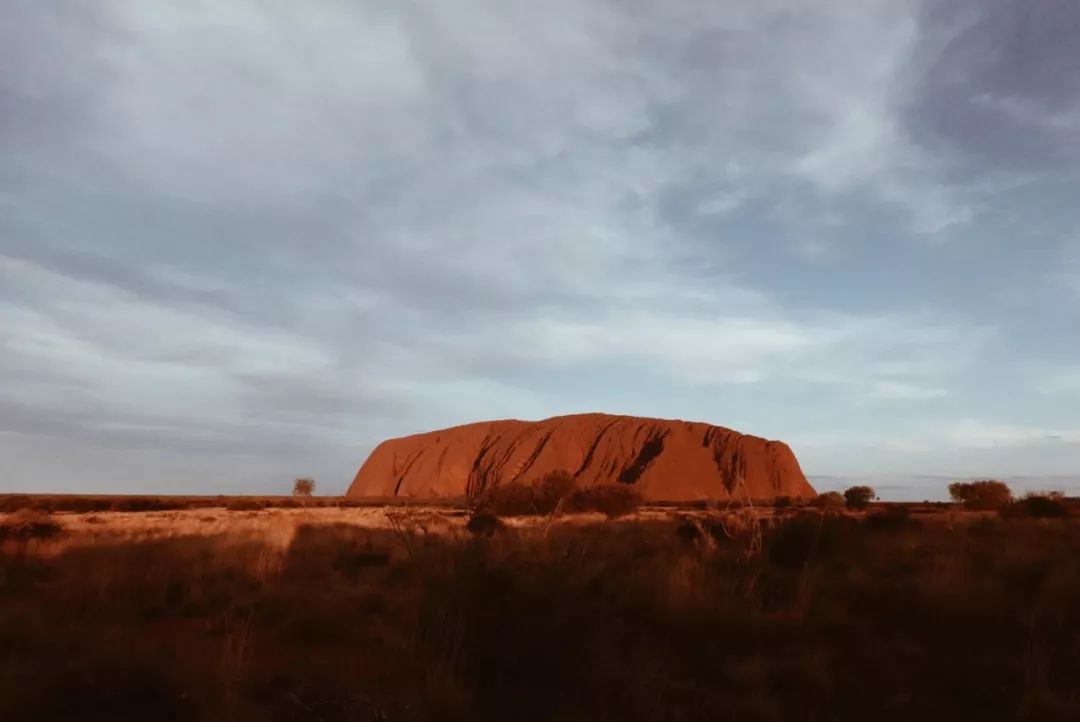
[(664, 460)]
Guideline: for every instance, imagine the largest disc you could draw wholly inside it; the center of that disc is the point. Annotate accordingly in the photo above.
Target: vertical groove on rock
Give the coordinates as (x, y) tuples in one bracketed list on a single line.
[(652, 448), (533, 457), (592, 449), (405, 472), (478, 480)]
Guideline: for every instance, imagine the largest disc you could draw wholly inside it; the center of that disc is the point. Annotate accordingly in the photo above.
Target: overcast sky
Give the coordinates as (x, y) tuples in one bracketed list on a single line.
[(245, 241)]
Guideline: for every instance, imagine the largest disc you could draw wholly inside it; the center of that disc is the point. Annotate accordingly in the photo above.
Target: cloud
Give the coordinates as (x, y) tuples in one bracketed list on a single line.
[(1057, 379), (240, 227), (949, 434), (1000, 99), (1068, 274), (868, 358), (975, 433), (118, 364)]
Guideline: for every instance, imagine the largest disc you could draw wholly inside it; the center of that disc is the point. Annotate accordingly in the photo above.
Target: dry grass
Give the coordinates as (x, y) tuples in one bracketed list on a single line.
[(85, 504), (898, 613)]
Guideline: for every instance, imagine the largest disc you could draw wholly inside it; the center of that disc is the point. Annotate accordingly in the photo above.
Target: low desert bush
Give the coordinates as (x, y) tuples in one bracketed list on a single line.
[(859, 497), (483, 524), (552, 490), (689, 530), (794, 540), (828, 500), (509, 500), (1049, 505), (94, 504), (609, 499), (141, 503), (895, 517), (13, 502), (556, 492), (982, 495), (806, 536), (28, 525)]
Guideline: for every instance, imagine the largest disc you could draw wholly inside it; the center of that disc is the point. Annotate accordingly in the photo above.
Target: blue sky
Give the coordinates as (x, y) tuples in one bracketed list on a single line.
[(244, 241)]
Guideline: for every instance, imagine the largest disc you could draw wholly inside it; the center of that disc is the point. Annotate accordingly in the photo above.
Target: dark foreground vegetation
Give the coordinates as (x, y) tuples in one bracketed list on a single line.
[(811, 615), (82, 503)]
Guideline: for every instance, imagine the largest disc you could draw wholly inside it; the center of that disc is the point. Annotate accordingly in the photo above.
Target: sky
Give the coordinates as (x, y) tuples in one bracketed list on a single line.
[(246, 241)]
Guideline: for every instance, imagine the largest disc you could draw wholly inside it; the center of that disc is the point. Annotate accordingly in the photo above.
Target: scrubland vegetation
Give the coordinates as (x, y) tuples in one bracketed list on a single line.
[(556, 492), (142, 503), (896, 612)]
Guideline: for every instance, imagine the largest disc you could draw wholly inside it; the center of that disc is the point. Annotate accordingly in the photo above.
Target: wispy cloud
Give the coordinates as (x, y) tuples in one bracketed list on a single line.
[(244, 228)]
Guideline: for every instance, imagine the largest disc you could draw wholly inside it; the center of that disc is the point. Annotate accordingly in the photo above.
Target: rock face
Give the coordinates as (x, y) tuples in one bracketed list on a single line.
[(663, 460)]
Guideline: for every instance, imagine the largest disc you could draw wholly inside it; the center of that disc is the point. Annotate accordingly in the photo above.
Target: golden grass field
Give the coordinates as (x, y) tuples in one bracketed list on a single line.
[(329, 612)]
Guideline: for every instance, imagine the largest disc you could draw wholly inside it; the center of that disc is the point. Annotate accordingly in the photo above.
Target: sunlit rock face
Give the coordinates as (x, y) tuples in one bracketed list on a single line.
[(663, 460)]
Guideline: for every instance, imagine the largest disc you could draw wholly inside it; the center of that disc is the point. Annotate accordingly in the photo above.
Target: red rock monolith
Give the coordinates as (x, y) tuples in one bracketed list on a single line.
[(663, 460)]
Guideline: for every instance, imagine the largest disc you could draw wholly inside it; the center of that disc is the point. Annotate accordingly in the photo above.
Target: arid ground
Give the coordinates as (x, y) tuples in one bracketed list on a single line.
[(221, 609)]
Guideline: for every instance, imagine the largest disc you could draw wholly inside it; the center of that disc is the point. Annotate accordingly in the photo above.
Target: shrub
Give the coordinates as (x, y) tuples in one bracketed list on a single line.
[(1050, 505), (139, 503), (509, 500), (981, 495), (794, 540), (609, 499), (551, 490), (859, 497), (797, 539), (782, 502), (28, 525), (303, 486), (892, 518), (555, 492), (688, 531), (828, 500), (484, 524), (15, 502), (544, 496)]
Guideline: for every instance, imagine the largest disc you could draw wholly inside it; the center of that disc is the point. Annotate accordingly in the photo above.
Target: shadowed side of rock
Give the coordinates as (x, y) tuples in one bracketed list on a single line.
[(663, 460)]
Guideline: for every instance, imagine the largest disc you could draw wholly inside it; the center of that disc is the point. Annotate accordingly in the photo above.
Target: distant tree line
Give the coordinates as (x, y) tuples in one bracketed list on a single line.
[(980, 495)]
